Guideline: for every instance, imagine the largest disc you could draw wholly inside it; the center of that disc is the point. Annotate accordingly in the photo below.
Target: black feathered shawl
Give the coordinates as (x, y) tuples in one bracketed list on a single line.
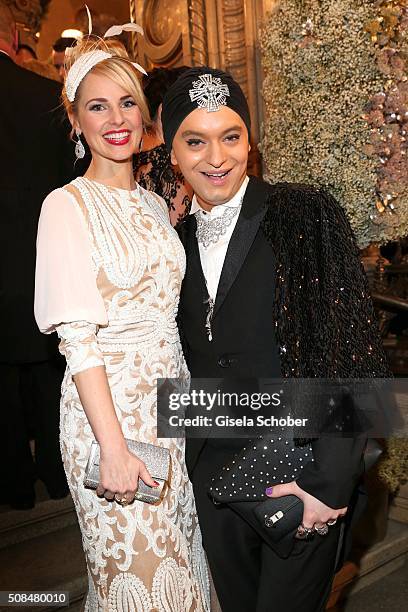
[(325, 321)]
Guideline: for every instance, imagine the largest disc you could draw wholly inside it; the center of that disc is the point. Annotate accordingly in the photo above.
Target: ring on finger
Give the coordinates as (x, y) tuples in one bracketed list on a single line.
[(331, 522), (304, 532), (122, 500), (322, 530)]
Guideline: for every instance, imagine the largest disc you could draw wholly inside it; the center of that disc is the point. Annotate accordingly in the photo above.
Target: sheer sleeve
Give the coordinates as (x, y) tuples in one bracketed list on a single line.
[(79, 345), (67, 299)]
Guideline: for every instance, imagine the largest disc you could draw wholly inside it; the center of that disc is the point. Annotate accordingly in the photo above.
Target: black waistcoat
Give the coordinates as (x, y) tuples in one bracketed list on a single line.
[(243, 339)]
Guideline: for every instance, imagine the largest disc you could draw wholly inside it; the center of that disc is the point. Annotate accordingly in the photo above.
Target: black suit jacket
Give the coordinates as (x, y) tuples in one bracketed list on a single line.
[(36, 156), (244, 342)]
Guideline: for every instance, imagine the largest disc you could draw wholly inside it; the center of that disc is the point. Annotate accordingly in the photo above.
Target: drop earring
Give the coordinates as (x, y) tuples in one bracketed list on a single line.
[(79, 147)]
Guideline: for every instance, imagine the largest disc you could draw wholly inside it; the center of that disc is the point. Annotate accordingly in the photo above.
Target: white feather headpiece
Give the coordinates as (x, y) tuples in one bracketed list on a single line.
[(87, 61)]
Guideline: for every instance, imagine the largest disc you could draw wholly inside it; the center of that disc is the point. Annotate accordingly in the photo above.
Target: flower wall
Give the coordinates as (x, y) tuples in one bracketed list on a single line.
[(336, 99)]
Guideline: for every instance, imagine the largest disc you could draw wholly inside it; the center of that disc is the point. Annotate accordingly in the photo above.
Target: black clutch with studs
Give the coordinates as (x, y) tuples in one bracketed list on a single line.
[(242, 483), (264, 462)]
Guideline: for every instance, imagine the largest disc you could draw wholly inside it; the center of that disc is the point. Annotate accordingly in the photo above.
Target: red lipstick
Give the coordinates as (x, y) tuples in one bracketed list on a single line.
[(117, 137)]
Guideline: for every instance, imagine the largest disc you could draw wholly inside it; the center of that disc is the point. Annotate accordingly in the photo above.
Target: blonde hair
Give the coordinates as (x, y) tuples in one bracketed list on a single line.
[(117, 68)]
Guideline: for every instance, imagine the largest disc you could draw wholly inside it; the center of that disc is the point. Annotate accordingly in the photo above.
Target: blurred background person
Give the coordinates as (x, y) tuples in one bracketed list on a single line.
[(154, 170), (36, 156), (58, 53), (25, 53)]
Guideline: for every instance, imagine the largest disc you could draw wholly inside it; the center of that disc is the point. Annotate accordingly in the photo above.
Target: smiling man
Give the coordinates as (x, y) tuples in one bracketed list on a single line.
[(273, 285), (227, 136)]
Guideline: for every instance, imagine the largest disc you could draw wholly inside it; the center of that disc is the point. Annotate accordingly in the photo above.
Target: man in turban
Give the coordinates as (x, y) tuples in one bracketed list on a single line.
[(273, 288)]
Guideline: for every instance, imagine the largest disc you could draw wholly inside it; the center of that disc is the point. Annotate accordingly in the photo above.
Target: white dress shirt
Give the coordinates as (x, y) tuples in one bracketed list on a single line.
[(213, 256)]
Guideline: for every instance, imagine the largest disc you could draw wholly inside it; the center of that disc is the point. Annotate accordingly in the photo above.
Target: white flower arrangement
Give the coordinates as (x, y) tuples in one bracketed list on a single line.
[(335, 94)]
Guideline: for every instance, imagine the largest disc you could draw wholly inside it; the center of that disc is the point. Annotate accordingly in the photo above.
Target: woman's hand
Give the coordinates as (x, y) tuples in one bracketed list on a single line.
[(120, 471), (315, 513), (119, 468)]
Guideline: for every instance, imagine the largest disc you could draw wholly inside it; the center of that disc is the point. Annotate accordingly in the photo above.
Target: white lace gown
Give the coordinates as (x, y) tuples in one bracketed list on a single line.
[(109, 271)]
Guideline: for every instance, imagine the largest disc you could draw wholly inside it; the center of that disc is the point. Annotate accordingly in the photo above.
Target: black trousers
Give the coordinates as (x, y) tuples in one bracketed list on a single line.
[(30, 397), (248, 575)]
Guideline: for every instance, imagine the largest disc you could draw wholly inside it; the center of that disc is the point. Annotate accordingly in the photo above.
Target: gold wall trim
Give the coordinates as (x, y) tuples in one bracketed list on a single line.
[(234, 51), (198, 32)]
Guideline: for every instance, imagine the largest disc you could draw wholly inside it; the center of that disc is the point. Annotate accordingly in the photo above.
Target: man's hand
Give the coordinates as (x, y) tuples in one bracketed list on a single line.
[(315, 513)]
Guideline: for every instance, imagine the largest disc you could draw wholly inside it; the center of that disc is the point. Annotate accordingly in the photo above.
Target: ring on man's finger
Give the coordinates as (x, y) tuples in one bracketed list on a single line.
[(331, 522), (303, 533), (322, 530)]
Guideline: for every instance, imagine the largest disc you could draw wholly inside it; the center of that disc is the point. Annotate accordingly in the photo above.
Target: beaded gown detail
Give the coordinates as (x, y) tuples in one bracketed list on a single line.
[(144, 558)]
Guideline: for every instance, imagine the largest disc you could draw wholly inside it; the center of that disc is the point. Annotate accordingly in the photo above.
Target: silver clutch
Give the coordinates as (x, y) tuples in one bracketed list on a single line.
[(156, 459)]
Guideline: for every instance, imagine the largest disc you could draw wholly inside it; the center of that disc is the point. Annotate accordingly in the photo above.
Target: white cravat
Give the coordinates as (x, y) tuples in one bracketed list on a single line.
[(213, 256)]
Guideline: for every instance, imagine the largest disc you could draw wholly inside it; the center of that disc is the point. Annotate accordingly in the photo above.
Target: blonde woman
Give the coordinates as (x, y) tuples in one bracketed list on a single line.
[(109, 270)]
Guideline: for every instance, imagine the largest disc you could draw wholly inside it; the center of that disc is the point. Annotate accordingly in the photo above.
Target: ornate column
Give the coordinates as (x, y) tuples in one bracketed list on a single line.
[(198, 32)]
